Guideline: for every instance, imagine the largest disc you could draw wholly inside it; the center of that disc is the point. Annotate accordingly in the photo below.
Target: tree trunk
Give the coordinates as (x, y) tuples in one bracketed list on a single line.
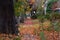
[(7, 17)]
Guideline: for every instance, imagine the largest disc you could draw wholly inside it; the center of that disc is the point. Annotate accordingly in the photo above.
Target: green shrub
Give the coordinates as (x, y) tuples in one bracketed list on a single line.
[(42, 35)]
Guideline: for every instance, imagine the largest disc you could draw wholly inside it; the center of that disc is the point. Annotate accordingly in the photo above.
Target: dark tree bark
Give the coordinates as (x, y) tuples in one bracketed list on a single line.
[(16, 0), (7, 17)]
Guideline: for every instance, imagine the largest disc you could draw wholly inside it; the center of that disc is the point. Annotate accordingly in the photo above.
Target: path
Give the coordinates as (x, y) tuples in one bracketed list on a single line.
[(27, 30), (30, 31)]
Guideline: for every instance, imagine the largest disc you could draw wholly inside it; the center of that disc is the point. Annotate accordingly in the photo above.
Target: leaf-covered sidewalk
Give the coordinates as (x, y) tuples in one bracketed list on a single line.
[(29, 29)]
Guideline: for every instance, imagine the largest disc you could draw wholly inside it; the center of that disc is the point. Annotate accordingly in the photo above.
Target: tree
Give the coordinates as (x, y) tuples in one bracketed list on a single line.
[(7, 17), (21, 7)]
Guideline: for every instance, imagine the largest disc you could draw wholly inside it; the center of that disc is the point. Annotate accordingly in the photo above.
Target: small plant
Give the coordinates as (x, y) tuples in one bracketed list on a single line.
[(17, 38), (56, 16), (56, 25), (42, 35)]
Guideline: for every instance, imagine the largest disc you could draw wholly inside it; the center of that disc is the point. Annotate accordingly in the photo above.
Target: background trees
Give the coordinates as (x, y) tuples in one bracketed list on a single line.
[(20, 7)]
